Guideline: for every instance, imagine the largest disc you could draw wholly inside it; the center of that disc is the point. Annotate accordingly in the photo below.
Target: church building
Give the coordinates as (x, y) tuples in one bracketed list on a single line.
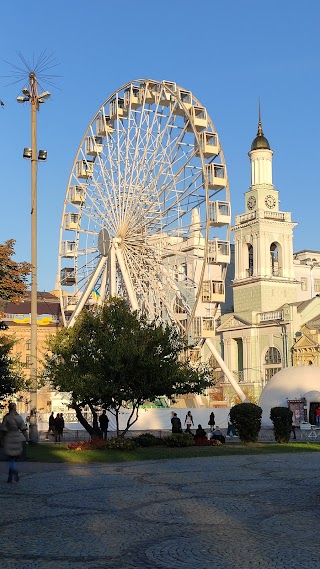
[(276, 305)]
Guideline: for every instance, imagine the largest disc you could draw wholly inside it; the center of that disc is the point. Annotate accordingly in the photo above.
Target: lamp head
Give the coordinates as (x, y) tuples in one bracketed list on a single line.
[(42, 155), (26, 92), (21, 99), (27, 153), (45, 95)]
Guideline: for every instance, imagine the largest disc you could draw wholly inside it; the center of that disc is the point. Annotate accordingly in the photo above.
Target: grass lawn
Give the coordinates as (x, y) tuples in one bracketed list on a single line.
[(60, 453)]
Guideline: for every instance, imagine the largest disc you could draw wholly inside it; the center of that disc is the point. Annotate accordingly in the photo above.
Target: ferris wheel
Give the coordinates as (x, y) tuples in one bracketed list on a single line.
[(147, 213)]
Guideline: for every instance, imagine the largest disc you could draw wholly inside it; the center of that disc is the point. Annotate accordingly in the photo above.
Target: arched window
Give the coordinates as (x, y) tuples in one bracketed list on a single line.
[(272, 363), (182, 272), (250, 260), (274, 259)]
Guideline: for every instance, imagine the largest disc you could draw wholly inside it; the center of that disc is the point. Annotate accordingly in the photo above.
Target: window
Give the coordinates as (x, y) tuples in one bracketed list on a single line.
[(270, 372), (316, 285), (274, 259), (182, 272), (28, 345), (273, 363), (250, 260), (28, 361), (304, 283), (273, 356)]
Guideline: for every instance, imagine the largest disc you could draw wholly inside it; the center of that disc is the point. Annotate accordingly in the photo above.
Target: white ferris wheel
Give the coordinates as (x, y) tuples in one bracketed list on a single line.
[(147, 210)]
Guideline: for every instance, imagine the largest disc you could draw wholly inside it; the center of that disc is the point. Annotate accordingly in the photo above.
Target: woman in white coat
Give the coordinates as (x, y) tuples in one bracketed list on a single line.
[(14, 433)]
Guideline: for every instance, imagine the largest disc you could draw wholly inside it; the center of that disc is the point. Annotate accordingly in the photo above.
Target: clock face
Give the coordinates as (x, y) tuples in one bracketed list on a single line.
[(251, 202), (270, 202)]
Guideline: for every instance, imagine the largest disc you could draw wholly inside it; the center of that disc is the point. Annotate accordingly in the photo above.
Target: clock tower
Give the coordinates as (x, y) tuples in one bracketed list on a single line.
[(264, 278)]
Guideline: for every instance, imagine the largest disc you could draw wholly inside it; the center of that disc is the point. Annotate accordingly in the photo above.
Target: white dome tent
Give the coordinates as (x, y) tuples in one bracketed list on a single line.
[(290, 383)]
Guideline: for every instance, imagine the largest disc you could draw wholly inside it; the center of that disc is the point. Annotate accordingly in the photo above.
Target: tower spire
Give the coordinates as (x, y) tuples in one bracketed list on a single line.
[(260, 131), (260, 142)]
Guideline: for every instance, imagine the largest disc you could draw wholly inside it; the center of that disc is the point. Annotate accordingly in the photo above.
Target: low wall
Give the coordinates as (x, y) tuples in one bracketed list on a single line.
[(158, 419)]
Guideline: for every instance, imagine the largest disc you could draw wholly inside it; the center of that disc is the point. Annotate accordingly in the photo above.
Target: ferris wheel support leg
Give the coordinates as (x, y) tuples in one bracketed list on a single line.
[(87, 292), (127, 280), (226, 371), (103, 285), (112, 271)]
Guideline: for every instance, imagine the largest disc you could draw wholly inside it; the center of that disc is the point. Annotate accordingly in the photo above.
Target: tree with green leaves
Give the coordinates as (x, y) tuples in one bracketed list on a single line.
[(117, 358), (11, 378), (13, 284)]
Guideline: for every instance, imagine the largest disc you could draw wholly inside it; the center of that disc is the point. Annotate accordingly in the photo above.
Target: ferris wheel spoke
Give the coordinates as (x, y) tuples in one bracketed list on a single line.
[(126, 278), (88, 290), (154, 298)]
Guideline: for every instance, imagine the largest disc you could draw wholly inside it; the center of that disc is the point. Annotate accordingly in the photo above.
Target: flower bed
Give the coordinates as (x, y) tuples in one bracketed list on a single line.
[(101, 444), (94, 444), (203, 442)]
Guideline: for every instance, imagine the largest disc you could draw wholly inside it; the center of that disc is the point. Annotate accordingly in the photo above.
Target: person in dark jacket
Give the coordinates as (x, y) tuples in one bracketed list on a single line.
[(211, 421), (58, 428), (200, 433), (50, 426), (51, 422), (176, 424), (104, 422)]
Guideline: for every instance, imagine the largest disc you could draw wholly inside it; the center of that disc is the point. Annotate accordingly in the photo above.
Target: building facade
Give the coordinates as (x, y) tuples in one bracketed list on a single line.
[(276, 316), (17, 317)]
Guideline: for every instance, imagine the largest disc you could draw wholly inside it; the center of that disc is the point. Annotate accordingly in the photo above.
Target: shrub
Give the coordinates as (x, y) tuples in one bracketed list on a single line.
[(147, 440), (281, 418), (246, 418), (121, 444), (179, 440)]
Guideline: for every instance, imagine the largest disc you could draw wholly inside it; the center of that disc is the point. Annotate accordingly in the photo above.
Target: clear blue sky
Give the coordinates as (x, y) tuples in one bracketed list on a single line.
[(227, 53)]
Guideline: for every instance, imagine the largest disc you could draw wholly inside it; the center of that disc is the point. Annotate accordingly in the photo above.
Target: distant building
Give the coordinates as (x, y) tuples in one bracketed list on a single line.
[(18, 319)]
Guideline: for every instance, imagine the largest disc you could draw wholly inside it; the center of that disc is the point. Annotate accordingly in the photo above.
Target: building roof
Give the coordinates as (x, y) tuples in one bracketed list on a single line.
[(48, 309)]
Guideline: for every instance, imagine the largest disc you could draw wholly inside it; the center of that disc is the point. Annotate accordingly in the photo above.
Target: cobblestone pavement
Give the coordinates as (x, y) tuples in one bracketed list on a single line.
[(199, 513)]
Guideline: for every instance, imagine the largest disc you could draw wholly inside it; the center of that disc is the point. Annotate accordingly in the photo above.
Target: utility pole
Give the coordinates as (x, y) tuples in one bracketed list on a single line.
[(30, 94)]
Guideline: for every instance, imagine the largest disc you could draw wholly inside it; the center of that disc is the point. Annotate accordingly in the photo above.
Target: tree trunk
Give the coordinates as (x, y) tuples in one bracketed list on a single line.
[(117, 421), (95, 423), (135, 409), (84, 422)]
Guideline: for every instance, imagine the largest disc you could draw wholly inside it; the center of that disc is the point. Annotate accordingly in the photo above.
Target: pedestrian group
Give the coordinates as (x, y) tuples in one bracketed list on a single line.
[(56, 426)]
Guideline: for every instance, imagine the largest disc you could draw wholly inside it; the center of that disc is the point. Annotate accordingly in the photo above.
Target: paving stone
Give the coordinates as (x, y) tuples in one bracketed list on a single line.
[(202, 513)]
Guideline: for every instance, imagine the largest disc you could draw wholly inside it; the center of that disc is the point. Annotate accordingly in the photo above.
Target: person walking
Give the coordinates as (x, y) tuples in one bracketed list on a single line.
[(188, 422), (58, 428), (211, 421), (176, 424), (62, 424), (231, 431), (104, 422), (14, 432), (50, 426), (318, 416)]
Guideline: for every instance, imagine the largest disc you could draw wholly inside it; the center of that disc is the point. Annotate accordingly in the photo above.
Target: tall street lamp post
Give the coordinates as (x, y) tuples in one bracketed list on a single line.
[(30, 94)]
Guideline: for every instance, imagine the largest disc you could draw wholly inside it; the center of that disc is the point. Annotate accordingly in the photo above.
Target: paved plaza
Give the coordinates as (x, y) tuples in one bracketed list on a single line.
[(199, 513)]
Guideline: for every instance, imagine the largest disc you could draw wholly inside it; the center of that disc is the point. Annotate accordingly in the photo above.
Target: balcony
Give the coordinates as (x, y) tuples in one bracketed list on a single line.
[(238, 376), (270, 316)]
